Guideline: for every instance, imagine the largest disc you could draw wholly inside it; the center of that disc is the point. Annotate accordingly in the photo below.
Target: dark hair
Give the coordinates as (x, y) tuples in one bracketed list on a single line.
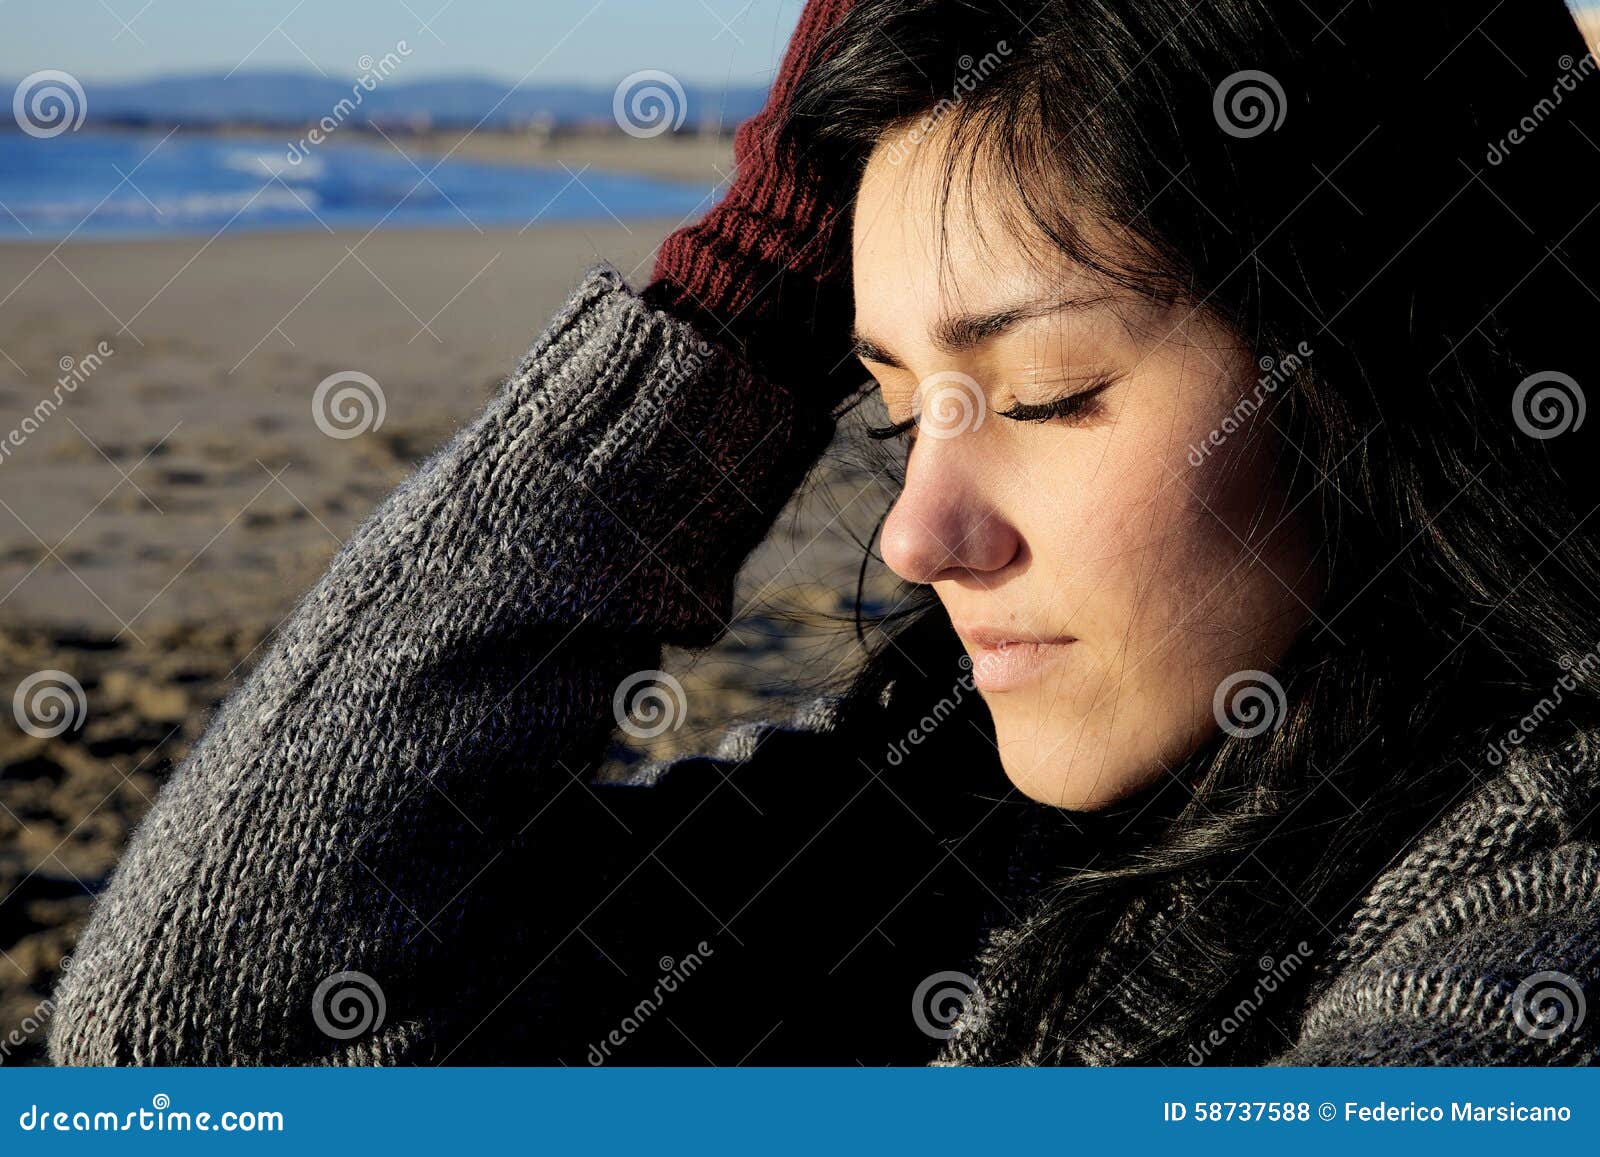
[(1400, 185)]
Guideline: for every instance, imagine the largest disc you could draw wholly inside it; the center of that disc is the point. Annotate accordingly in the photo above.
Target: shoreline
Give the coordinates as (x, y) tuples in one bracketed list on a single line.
[(599, 183), (688, 158)]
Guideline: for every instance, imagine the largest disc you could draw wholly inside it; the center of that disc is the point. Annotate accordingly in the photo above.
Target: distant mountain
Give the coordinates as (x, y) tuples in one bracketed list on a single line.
[(298, 98)]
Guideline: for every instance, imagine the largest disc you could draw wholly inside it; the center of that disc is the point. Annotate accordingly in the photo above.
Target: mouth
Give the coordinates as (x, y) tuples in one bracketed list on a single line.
[(1003, 662)]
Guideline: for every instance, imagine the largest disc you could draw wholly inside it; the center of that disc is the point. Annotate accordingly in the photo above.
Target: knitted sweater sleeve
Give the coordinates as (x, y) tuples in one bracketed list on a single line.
[(353, 824)]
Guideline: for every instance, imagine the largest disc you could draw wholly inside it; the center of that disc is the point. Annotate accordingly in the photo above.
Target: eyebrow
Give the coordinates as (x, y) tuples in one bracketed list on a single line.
[(965, 331)]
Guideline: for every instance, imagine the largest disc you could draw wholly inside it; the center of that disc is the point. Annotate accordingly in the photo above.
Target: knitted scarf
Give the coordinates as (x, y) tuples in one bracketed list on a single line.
[(1172, 981)]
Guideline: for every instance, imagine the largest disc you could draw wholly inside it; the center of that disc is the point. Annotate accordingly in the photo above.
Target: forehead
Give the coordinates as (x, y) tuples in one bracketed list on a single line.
[(937, 233)]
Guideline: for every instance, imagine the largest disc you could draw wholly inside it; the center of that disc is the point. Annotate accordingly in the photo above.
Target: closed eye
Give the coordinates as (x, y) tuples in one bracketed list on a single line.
[(1074, 406)]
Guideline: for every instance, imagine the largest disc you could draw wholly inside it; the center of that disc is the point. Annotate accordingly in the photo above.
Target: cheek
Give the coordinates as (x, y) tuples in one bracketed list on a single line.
[(1127, 532), (1141, 546)]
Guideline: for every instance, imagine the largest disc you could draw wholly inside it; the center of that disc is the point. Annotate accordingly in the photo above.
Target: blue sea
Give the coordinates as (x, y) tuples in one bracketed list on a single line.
[(131, 185)]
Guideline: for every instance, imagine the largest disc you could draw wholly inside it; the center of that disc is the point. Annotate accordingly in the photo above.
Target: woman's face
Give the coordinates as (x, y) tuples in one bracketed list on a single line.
[(1105, 586)]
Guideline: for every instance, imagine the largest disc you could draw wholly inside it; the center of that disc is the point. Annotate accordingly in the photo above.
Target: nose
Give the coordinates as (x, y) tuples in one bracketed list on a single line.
[(946, 524)]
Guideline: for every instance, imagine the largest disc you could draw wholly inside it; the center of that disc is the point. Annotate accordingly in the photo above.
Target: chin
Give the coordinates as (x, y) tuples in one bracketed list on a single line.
[(1079, 767)]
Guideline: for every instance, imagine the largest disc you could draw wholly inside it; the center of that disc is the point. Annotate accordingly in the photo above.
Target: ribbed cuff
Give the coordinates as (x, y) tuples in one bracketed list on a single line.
[(788, 310)]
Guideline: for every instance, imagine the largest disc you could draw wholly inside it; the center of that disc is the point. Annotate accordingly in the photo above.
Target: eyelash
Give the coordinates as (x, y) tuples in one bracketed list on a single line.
[(892, 431), (1076, 405)]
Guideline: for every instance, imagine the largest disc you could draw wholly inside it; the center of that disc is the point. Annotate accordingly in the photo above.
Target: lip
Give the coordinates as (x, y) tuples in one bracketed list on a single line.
[(1003, 661)]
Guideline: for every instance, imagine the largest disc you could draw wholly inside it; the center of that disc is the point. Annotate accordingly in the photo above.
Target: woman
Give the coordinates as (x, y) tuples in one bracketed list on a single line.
[(1246, 471)]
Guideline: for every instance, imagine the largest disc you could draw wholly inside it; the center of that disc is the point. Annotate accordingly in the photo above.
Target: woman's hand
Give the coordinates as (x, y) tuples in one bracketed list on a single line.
[(767, 269)]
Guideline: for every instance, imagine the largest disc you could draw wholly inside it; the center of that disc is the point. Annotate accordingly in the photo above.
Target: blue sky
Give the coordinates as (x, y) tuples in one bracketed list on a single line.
[(587, 41)]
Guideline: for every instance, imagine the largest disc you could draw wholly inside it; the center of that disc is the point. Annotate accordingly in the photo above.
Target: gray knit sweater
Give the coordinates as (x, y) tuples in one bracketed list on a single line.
[(389, 847)]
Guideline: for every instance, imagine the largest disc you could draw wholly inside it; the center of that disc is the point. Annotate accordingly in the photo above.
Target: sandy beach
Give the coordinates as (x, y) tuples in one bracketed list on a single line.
[(163, 514)]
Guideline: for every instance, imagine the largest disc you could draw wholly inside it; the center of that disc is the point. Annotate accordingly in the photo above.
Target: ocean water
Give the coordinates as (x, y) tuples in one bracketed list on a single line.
[(130, 185)]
